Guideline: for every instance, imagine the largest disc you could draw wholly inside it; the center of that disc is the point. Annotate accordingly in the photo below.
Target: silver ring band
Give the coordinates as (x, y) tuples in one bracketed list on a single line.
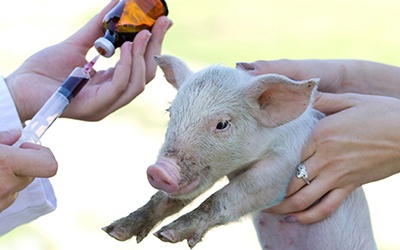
[(302, 173)]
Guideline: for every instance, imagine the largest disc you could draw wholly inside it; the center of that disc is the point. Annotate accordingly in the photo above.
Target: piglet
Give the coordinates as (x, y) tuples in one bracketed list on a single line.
[(225, 122)]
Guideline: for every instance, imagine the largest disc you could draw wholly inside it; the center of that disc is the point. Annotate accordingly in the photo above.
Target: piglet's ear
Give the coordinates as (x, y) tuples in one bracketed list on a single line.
[(175, 70), (279, 99)]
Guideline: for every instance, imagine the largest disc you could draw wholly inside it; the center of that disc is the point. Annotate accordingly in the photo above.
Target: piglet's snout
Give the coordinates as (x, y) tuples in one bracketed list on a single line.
[(164, 175)]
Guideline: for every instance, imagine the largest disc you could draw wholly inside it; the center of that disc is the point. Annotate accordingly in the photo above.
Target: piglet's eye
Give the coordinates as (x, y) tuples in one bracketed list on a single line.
[(223, 125)]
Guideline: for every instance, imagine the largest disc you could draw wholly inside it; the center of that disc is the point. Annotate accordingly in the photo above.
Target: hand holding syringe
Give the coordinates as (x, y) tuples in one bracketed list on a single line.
[(56, 104)]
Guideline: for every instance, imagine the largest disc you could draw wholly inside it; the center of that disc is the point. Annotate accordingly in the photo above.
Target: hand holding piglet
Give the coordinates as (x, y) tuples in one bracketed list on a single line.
[(225, 122), (340, 158)]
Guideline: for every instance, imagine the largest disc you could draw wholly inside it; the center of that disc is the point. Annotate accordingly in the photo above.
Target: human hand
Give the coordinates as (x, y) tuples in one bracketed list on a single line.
[(336, 76), (19, 166), (41, 74), (331, 73), (356, 143)]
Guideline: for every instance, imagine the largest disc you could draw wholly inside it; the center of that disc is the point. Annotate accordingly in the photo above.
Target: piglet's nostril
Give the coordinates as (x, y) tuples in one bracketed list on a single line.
[(150, 178), (160, 177), (167, 183)]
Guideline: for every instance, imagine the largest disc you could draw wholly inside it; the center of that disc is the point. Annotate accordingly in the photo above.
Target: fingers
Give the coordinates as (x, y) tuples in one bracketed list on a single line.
[(306, 205), (86, 35), (134, 69), (158, 31), (329, 103), (322, 209), (10, 186), (130, 72), (325, 181), (30, 160), (7, 200), (331, 73), (300, 196), (19, 166), (145, 46), (298, 184), (295, 69), (10, 137), (114, 88), (128, 78), (138, 68)]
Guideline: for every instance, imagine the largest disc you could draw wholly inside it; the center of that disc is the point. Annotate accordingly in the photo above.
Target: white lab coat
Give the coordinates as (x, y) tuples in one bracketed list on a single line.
[(38, 198)]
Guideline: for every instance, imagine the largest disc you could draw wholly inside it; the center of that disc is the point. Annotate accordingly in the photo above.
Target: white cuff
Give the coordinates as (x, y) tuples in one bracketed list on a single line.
[(34, 201)]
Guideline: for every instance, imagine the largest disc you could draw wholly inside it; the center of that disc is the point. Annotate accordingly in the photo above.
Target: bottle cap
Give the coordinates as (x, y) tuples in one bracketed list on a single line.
[(104, 47)]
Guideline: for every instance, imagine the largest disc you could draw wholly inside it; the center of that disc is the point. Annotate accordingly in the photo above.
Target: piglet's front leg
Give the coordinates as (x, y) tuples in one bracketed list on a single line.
[(248, 192), (192, 226), (143, 220)]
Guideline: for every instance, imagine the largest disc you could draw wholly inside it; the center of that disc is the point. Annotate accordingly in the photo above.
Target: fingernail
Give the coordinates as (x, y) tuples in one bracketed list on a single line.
[(168, 24), (147, 36), (245, 66), (290, 219)]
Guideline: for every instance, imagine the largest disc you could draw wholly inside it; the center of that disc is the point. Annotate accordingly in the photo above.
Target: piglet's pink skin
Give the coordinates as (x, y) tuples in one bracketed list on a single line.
[(164, 175), (225, 122)]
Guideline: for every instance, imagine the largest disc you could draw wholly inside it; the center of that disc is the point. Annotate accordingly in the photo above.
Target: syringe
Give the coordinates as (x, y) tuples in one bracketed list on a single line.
[(56, 104)]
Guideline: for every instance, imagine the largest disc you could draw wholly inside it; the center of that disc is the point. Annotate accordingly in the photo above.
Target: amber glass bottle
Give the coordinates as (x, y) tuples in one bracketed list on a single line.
[(125, 20)]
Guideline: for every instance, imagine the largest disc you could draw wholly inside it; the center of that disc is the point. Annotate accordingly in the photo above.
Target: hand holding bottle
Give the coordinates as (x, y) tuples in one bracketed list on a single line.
[(106, 91), (126, 20)]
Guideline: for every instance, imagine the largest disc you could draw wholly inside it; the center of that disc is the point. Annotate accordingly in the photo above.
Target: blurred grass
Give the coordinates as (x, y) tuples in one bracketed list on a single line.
[(228, 31), (208, 32), (204, 32)]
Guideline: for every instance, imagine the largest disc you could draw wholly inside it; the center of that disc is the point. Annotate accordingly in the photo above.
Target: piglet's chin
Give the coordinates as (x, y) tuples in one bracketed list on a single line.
[(188, 191)]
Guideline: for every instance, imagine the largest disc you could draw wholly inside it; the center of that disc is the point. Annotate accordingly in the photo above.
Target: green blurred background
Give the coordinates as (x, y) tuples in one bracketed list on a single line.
[(102, 165)]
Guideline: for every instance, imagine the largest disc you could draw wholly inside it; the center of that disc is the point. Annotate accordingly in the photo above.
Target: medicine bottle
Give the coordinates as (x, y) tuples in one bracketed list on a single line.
[(125, 20)]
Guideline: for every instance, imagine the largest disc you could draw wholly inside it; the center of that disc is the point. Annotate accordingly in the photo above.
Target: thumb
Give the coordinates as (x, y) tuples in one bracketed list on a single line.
[(92, 30), (10, 137), (329, 103)]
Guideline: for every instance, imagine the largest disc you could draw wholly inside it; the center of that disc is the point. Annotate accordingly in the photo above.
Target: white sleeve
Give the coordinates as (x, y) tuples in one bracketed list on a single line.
[(38, 198)]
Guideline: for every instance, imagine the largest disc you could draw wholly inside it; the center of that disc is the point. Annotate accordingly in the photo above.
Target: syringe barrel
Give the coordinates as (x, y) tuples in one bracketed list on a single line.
[(56, 104), (50, 111)]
